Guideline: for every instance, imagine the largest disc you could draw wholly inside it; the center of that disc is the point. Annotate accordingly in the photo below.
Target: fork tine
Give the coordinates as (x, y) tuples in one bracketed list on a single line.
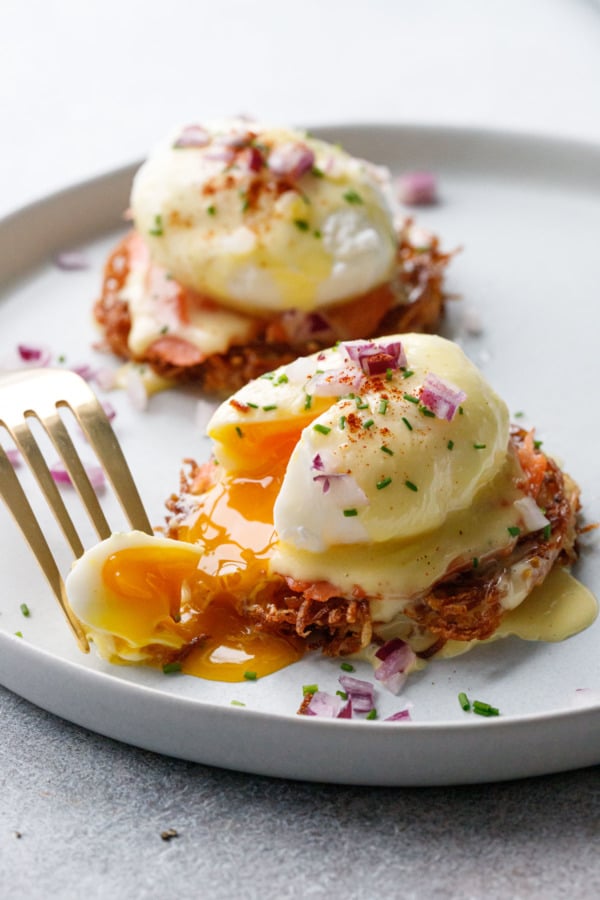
[(66, 449), (14, 496), (97, 428), (31, 453)]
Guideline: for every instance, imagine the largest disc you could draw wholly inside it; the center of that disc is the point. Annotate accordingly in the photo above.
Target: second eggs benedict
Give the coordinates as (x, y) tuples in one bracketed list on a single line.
[(254, 244)]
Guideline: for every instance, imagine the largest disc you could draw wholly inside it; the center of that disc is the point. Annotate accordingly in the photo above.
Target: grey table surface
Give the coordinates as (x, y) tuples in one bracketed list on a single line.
[(85, 816)]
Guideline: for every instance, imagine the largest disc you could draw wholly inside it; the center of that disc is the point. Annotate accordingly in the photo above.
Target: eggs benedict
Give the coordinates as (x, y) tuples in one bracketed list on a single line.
[(368, 493), (254, 244)]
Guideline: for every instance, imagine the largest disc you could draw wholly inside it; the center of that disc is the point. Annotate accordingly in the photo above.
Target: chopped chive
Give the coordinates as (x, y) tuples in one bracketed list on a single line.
[(268, 375), (372, 714), (301, 224), (342, 694), (479, 446), (460, 411), (450, 445), (25, 610), (318, 173), (342, 422), (411, 486), (537, 444), (389, 374), (427, 412), (239, 431), (171, 667), (317, 233), (407, 423), (308, 401), (547, 532), (19, 634), (369, 423), (347, 667), (352, 196), (475, 562), (387, 450), (514, 530), (383, 405), (410, 398), (283, 379), (519, 414), (250, 676), (157, 230), (252, 405), (383, 483), (361, 404), (350, 512), (484, 709), (211, 210), (310, 688), (164, 329), (464, 701), (237, 703), (322, 429), (407, 373), (270, 407)]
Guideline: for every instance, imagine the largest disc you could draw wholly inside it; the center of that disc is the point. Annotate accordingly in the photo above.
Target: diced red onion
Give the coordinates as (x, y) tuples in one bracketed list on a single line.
[(14, 457), (335, 382), (84, 371), (109, 410), (361, 693), (71, 261), (299, 326), (192, 136), (95, 474), (531, 515), (403, 715), (418, 188), (34, 354), (441, 397), (329, 706), (396, 657), (291, 159), (375, 357)]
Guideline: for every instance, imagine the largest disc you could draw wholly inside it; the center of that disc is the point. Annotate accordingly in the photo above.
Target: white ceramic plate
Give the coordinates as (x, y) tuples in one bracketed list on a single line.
[(527, 213)]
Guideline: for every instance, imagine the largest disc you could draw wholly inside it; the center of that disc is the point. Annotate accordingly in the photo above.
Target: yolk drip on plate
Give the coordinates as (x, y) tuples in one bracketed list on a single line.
[(191, 594)]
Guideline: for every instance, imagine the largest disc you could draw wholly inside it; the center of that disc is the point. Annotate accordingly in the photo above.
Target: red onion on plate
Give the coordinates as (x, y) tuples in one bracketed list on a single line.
[(403, 715), (71, 261), (34, 354), (417, 188), (361, 693), (94, 473), (328, 706)]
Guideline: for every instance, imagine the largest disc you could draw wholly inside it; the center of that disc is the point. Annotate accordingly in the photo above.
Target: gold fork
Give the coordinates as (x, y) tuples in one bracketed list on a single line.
[(39, 394)]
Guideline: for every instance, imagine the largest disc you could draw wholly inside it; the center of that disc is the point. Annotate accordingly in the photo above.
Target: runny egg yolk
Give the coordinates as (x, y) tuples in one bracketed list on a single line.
[(186, 602)]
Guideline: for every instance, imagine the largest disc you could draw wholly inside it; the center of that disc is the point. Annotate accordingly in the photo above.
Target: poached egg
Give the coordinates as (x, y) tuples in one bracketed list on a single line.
[(263, 218)]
